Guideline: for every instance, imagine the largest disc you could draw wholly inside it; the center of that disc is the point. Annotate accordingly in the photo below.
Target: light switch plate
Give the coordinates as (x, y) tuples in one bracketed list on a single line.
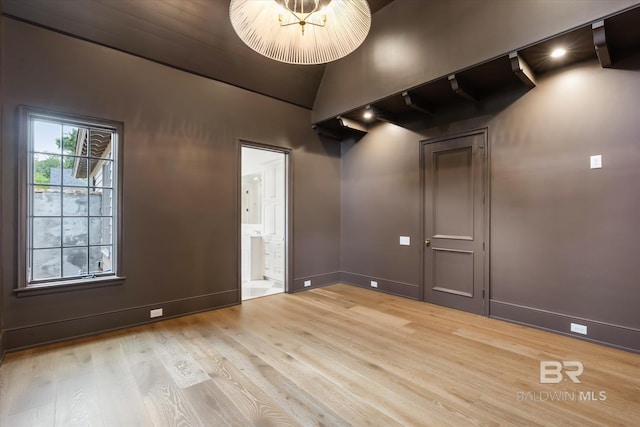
[(405, 241), (596, 161)]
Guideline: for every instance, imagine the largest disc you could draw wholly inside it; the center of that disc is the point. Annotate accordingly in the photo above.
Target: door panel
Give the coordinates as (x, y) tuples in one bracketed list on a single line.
[(453, 193), (453, 271), (454, 179)]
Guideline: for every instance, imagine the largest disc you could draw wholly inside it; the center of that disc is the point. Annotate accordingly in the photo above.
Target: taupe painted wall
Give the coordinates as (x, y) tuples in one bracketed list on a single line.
[(2, 347), (380, 181), (564, 238), (181, 232), (415, 41)]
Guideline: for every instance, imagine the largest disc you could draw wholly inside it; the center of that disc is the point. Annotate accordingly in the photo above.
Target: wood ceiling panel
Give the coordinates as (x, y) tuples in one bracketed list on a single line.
[(192, 35)]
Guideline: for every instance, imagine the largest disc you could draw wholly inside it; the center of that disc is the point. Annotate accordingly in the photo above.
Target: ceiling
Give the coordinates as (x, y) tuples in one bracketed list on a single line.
[(191, 35), (196, 36)]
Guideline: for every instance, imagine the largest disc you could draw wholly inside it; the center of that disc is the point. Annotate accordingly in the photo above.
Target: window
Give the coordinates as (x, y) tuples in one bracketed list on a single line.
[(70, 229)]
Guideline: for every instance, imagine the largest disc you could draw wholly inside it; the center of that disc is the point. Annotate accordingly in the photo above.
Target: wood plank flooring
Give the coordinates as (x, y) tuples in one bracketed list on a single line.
[(335, 356)]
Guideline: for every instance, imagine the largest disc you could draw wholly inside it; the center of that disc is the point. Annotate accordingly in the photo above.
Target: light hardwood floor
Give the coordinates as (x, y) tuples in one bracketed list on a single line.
[(334, 356)]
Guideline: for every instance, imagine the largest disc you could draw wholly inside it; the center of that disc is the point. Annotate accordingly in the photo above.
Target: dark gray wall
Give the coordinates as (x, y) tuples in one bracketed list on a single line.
[(180, 177), (317, 254), (564, 238), (416, 41), (2, 347), (380, 181)]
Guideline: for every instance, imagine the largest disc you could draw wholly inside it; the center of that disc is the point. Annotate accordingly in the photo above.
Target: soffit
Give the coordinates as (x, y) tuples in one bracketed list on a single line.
[(485, 87)]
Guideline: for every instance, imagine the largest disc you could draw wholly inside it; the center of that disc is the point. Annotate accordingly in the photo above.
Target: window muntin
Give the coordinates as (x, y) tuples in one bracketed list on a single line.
[(71, 221)]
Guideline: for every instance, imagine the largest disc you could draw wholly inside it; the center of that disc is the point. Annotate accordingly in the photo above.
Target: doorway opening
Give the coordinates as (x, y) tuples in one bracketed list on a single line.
[(264, 221)]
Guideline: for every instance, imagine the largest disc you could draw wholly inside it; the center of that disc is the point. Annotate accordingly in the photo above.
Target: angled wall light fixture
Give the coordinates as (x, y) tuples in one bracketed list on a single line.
[(301, 31)]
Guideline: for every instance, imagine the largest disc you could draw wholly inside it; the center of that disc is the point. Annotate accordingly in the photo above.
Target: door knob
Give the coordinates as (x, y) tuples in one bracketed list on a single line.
[(427, 243)]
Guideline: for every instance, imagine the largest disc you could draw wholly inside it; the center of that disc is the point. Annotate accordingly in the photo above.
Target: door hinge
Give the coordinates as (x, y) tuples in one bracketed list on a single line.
[(483, 294), (483, 246), (483, 198)]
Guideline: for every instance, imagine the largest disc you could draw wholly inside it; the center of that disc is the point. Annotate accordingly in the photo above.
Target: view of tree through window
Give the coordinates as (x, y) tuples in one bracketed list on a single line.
[(43, 166), (71, 216)]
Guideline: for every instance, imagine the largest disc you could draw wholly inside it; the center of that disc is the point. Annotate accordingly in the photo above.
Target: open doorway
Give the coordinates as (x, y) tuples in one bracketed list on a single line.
[(263, 238)]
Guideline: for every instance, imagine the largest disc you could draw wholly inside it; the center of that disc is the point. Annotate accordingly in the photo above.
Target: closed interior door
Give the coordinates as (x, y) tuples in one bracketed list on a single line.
[(454, 190)]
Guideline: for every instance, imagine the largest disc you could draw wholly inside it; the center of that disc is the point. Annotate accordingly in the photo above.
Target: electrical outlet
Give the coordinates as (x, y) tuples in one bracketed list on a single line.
[(579, 329), (155, 313), (374, 284), (307, 283), (595, 162)]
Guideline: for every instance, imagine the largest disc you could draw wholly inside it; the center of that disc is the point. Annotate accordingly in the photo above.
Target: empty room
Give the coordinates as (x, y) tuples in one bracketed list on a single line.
[(319, 213)]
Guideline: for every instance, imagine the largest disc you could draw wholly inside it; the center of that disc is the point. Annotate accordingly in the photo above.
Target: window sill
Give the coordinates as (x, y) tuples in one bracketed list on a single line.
[(68, 286)]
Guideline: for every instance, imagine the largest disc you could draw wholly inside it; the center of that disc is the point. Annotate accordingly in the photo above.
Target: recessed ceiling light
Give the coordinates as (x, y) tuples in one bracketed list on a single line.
[(557, 53), (368, 114)]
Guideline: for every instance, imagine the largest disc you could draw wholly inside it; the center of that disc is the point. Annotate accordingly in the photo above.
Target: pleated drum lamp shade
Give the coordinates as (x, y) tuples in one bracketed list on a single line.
[(301, 31)]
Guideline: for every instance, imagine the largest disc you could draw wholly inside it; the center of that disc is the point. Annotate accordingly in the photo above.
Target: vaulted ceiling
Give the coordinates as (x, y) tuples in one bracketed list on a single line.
[(191, 35)]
